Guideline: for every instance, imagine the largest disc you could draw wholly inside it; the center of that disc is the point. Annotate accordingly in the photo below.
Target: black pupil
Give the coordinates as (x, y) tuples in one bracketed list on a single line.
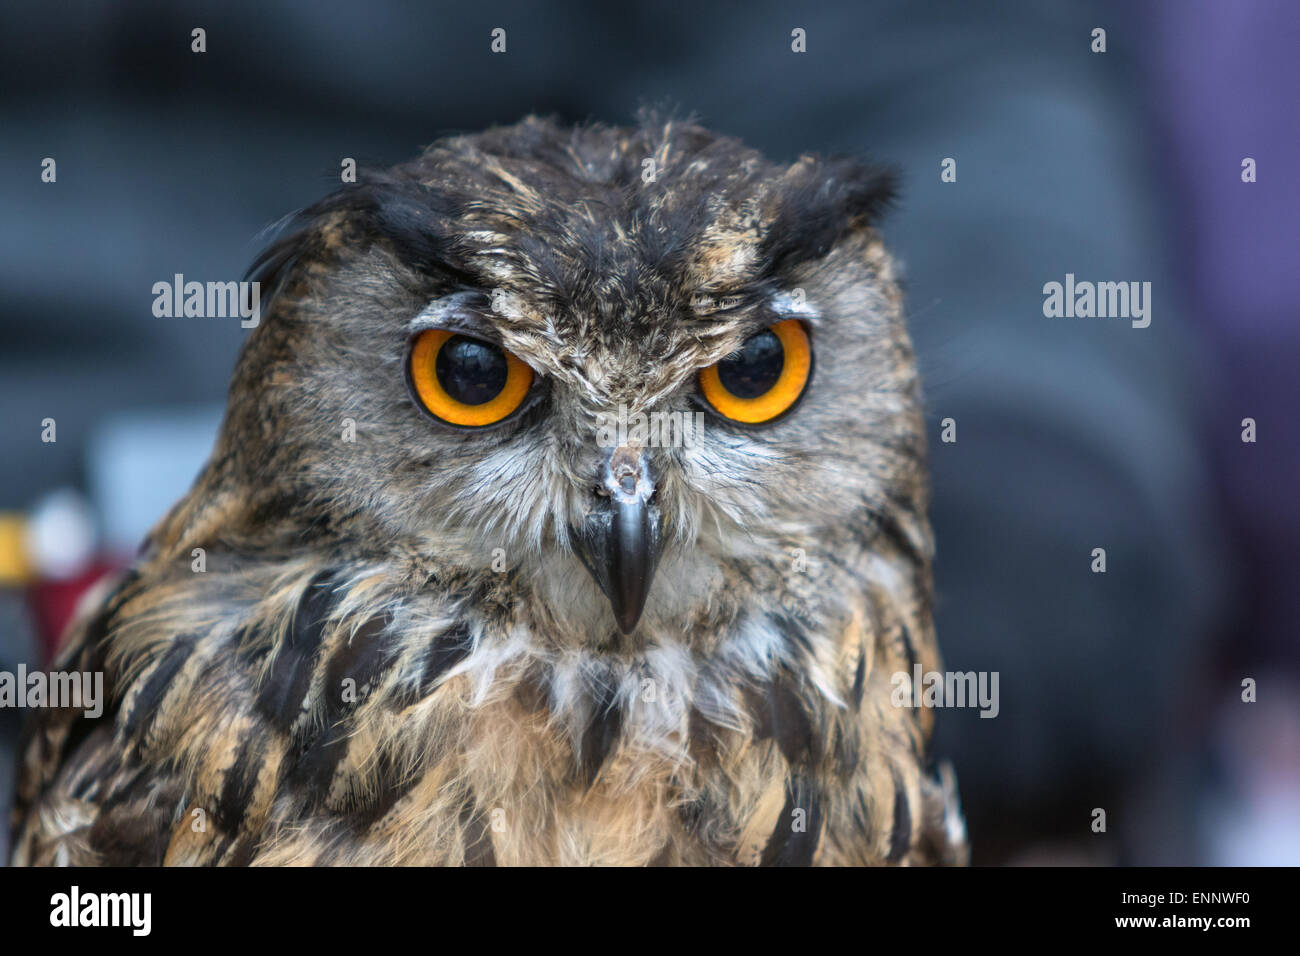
[(470, 370), (755, 368)]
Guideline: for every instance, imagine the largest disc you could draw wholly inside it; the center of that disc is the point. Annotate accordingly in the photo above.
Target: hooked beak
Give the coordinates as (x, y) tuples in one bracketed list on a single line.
[(622, 537)]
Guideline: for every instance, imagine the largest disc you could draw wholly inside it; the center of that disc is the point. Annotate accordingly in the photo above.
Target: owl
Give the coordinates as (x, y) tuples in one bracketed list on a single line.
[(569, 508)]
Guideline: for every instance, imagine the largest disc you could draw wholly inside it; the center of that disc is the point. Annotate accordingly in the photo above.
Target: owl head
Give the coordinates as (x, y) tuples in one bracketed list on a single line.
[(633, 372)]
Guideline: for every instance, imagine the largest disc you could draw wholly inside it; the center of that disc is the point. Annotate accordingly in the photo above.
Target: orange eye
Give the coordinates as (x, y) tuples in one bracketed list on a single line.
[(764, 378), (466, 381)]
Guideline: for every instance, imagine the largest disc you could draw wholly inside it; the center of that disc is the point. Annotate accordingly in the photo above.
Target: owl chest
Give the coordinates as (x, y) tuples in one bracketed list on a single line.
[(545, 796)]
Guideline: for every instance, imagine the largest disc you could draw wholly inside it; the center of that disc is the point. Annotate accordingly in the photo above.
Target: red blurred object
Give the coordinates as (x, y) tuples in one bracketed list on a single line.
[(53, 603)]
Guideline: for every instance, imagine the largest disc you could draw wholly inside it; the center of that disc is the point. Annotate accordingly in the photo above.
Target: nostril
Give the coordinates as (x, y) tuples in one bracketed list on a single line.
[(626, 470)]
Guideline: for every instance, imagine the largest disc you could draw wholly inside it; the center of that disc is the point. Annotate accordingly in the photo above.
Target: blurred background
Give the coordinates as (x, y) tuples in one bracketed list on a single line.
[(1120, 691)]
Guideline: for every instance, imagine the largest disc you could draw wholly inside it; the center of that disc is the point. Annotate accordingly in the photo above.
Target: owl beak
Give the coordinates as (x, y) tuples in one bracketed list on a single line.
[(622, 537)]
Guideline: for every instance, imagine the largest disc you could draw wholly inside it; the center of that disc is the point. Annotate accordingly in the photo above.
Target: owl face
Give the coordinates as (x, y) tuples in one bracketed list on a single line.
[(622, 367)]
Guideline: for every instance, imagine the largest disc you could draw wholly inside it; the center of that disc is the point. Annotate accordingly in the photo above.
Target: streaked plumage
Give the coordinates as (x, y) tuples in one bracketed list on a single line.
[(395, 656)]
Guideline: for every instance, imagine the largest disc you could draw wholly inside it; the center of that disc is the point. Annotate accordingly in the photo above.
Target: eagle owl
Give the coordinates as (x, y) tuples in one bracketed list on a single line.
[(569, 508)]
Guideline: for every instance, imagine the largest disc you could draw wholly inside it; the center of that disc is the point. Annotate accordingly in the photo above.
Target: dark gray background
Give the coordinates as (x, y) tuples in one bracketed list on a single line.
[(1072, 434)]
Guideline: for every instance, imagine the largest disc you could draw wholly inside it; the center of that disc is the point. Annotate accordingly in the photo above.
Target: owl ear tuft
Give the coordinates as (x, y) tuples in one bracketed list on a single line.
[(406, 216), (817, 202)]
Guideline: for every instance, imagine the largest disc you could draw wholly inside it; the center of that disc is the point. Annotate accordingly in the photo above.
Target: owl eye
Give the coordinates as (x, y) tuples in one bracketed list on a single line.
[(764, 378), (465, 381)]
